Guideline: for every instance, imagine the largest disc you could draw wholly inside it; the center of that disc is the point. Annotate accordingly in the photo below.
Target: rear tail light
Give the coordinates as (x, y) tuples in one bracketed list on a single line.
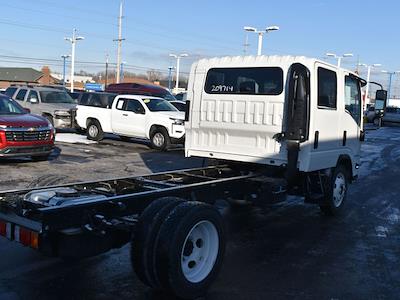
[(19, 234)]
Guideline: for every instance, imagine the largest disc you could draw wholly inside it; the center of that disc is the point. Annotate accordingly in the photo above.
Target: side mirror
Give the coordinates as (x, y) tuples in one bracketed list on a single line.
[(33, 100), (380, 102), (27, 110)]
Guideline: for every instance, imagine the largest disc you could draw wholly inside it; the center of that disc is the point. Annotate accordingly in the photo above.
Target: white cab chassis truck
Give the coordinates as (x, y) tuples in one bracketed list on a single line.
[(278, 125)]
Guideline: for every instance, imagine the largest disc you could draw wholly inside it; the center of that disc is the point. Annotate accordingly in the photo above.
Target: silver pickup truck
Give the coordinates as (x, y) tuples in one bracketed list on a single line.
[(54, 104)]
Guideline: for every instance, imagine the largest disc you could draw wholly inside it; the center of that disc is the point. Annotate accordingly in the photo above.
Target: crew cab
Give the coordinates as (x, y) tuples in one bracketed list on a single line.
[(136, 116), (23, 134)]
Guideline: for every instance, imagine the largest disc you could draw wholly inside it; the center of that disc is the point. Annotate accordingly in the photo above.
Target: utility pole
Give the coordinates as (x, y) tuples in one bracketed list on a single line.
[(106, 79), (64, 57), (73, 41), (122, 71), (391, 74), (119, 40)]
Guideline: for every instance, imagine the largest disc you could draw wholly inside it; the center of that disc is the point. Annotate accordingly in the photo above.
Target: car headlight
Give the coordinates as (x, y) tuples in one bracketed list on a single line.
[(177, 121), (62, 113)]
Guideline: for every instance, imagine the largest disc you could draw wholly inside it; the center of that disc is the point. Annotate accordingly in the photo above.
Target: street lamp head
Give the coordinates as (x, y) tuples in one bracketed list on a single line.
[(362, 65), (173, 55), (65, 56), (377, 65), (68, 39), (348, 55), (272, 28), (250, 29), (79, 38), (330, 54), (184, 55)]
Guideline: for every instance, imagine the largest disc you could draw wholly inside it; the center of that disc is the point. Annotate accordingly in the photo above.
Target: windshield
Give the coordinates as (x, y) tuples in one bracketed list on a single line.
[(159, 105), (56, 97), (9, 107)]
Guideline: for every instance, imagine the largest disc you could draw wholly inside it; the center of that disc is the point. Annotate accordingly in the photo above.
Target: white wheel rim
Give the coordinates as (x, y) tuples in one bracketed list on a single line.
[(93, 131), (158, 139), (339, 189), (200, 251)]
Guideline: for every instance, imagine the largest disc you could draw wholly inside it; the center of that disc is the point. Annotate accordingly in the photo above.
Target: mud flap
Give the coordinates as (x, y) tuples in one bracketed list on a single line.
[(292, 172)]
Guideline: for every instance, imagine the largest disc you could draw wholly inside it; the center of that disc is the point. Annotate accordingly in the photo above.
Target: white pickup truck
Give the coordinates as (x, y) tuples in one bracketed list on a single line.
[(136, 116)]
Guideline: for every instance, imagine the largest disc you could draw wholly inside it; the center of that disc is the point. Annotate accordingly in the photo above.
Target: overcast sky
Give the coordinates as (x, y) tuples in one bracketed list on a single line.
[(153, 29)]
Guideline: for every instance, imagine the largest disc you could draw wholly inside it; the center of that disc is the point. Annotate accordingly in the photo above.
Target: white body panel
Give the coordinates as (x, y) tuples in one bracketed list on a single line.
[(242, 127), (128, 123)]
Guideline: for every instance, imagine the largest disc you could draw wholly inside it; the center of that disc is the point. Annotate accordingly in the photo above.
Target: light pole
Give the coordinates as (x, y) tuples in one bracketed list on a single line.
[(170, 77), (339, 57), (73, 41), (369, 67), (64, 57), (260, 34), (178, 61), (391, 74)]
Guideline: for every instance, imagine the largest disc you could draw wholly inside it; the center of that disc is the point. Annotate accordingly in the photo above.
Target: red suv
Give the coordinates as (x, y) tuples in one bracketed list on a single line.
[(23, 134)]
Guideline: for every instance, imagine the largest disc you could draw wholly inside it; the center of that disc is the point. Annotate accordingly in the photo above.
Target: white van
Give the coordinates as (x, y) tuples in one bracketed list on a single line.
[(299, 114)]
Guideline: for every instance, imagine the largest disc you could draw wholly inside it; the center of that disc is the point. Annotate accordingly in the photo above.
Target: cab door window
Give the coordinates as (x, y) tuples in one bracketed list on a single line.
[(352, 95), (135, 106)]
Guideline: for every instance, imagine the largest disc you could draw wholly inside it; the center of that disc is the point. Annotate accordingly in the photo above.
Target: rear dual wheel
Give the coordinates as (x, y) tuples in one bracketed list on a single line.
[(178, 246)]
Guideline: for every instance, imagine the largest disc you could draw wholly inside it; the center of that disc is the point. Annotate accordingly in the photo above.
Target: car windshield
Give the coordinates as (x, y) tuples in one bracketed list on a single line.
[(55, 97), (9, 107), (159, 105)]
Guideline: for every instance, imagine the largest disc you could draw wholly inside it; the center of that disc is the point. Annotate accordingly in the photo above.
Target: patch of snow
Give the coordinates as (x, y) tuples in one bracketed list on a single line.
[(72, 138)]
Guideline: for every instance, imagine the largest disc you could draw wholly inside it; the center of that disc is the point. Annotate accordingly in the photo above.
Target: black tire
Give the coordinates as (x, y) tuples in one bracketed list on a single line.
[(172, 247), (144, 240), (160, 134), (333, 202), (94, 131)]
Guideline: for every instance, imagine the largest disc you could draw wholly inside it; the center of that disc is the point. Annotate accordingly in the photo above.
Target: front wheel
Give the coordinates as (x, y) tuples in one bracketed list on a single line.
[(335, 191), (160, 139)]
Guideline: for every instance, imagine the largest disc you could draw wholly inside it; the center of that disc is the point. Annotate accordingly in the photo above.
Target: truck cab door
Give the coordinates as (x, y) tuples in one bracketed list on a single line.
[(128, 118), (351, 121)]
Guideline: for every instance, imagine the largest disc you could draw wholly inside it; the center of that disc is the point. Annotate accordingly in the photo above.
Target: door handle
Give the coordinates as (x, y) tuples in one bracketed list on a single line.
[(125, 115)]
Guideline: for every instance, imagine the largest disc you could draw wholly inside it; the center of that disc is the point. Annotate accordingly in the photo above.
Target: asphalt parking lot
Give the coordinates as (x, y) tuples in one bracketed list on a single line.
[(285, 251)]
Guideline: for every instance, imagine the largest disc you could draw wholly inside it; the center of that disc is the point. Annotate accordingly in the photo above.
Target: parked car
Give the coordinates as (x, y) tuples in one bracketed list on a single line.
[(23, 134), (96, 99), (392, 115), (180, 105), (140, 89), (370, 114), (52, 103), (137, 116)]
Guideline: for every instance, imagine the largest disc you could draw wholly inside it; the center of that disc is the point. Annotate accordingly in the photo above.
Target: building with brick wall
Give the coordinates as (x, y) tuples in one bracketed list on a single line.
[(10, 76)]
